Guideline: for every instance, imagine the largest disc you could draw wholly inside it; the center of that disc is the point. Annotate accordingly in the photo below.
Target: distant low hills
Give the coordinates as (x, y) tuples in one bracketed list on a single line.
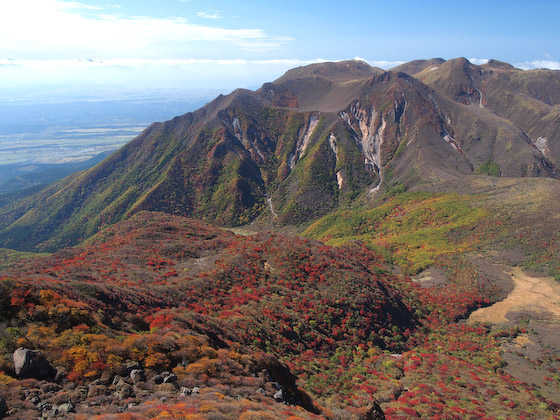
[(319, 138)]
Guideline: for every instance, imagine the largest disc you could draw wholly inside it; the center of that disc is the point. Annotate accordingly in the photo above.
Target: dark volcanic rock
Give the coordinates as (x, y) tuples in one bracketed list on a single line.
[(32, 364), (3, 407), (374, 413)]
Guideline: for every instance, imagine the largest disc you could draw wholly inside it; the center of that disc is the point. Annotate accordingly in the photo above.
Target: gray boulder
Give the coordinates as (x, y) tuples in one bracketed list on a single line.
[(65, 408), (279, 396), (137, 375), (126, 391), (32, 364)]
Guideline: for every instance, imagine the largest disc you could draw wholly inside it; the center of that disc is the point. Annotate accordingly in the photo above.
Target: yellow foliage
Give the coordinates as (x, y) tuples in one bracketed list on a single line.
[(204, 365), (207, 407), (181, 372), (68, 338), (154, 360), (5, 379), (114, 361), (208, 352), (47, 296), (78, 352), (82, 358), (41, 334)]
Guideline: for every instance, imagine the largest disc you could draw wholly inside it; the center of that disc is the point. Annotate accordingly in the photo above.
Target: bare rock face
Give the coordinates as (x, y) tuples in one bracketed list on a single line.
[(32, 364)]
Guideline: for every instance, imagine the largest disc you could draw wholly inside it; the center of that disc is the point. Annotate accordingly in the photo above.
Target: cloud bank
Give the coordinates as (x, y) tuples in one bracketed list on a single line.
[(147, 73), (60, 29), (539, 64)]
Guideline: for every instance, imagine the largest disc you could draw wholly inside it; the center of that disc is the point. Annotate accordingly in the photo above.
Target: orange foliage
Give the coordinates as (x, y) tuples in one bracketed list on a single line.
[(203, 366)]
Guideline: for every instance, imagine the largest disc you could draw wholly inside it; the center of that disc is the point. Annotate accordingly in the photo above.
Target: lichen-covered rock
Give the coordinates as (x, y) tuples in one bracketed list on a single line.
[(32, 364)]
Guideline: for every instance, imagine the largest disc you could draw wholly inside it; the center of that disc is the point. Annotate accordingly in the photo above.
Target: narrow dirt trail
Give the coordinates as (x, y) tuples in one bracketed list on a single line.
[(538, 295)]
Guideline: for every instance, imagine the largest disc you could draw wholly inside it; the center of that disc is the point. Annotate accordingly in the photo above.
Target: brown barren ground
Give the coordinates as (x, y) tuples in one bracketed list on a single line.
[(538, 295), (533, 305)]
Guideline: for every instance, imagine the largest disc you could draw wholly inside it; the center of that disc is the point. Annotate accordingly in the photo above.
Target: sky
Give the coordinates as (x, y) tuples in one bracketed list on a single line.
[(224, 44)]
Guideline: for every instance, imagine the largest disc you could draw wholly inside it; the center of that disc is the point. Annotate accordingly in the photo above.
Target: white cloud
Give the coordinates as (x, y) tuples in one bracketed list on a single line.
[(213, 15), (525, 65), (143, 62), (57, 29), (147, 73), (479, 61), (381, 63), (386, 65), (76, 5), (539, 64)]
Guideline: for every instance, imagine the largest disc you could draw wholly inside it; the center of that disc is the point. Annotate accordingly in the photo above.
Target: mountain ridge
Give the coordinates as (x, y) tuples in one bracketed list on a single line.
[(315, 139)]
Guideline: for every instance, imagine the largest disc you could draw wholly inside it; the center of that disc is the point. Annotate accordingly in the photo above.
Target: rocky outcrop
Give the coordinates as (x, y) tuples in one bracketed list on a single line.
[(32, 364)]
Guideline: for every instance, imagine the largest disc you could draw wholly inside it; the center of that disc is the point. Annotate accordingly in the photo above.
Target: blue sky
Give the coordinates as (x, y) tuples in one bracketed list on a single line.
[(227, 44)]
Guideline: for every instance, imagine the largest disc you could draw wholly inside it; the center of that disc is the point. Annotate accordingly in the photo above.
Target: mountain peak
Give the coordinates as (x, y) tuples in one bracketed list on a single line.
[(338, 71), (414, 67), (495, 64)]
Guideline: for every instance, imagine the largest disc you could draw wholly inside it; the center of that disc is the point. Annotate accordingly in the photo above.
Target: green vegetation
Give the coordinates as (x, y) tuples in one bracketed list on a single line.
[(489, 168), (9, 257), (415, 228)]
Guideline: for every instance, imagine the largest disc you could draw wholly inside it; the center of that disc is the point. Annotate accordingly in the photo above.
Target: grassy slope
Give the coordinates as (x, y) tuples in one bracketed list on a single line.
[(413, 229)]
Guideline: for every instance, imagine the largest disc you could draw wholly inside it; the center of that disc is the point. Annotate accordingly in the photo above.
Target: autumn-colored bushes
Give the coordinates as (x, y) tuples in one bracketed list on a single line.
[(336, 325)]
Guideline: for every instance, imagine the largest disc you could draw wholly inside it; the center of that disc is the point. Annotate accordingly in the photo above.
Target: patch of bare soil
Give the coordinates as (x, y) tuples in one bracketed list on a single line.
[(533, 305), (430, 277), (534, 357), (538, 296)]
